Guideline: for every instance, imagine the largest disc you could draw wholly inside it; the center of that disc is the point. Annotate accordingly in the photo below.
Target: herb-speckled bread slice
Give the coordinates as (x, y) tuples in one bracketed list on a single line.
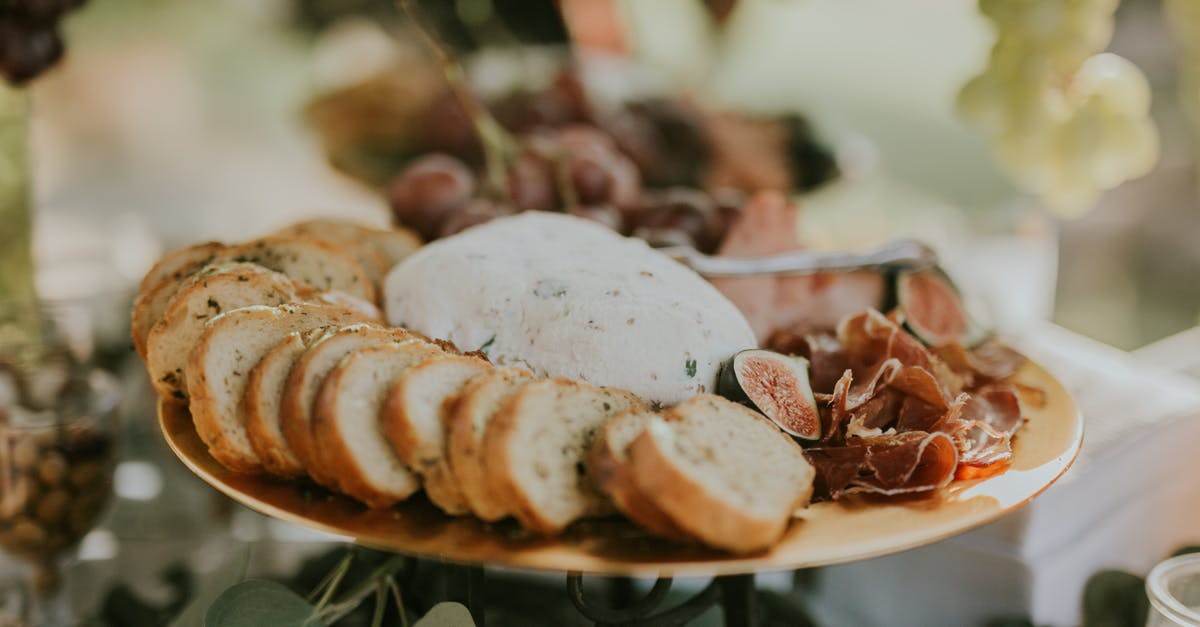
[(468, 417), (722, 472), (304, 382), (220, 363), (263, 403), (179, 263), (536, 446), (415, 420), (353, 237), (608, 467), (203, 295), (319, 264), (346, 422)]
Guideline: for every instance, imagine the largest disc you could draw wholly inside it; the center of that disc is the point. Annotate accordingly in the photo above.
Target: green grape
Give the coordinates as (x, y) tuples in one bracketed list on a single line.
[(1120, 83), (1066, 120)]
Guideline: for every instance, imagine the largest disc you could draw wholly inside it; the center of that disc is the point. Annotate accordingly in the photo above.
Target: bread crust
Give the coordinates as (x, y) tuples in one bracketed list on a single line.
[(177, 264), (466, 445), (296, 412)]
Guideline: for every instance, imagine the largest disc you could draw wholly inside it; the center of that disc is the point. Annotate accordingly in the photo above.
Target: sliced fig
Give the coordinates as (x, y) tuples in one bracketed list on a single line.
[(776, 385), (933, 309)]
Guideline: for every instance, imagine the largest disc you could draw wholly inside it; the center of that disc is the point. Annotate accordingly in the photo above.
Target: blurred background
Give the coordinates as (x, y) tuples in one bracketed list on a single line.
[(176, 121)]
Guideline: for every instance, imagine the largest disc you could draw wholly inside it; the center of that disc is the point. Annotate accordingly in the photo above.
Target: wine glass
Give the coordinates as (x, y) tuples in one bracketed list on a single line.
[(57, 452)]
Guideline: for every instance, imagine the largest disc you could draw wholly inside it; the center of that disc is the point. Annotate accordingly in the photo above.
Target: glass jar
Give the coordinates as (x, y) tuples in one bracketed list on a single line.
[(1174, 591)]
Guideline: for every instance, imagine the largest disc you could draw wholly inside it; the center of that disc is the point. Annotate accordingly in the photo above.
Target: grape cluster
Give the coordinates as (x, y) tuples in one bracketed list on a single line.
[(30, 41), (578, 169), (1065, 120)]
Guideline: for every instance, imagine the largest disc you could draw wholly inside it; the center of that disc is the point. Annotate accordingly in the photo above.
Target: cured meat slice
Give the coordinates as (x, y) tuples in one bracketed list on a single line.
[(990, 361), (904, 463), (836, 467)]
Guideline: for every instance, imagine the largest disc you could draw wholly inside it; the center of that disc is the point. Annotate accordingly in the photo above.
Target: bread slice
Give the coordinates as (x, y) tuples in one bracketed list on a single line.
[(394, 244), (346, 422), (318, 264), (208, 293), (352, 237), (722, 472), (536, 446), (220, 363), (467, 420), (608, 468), (262, 404), (178, 263), (414, 421), (304, 382)]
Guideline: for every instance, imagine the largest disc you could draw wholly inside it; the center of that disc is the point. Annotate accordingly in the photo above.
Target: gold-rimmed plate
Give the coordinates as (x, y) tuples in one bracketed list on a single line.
[(825, 533)]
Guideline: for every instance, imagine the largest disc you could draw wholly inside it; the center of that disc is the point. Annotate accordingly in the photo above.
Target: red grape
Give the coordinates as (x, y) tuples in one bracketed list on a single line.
[(429, 191), (531, 183), (27, 47), (475, 213)]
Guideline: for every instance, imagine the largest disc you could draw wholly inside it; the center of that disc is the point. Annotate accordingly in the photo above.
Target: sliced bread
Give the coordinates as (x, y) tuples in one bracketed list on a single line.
[(316, 263), (319, 263), (304, 382), (536, 446), (608, 468), (468, 416), (414, 421), (262, 404), (178, 263), (220, 363), (346, 423), (722, 472), (352, 237), (208, 293)]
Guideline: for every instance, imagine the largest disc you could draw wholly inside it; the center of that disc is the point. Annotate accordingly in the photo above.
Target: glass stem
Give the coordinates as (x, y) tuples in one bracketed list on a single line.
[(20, 331)]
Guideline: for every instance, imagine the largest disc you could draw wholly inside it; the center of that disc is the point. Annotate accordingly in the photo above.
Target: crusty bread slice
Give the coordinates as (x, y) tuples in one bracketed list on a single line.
[(414, 421), (394, 244), (536, 446), (208, 293), (608, 468), (468, 416), (346, 422), (220, 362), (304, 382), (262, 404), (722, 472), (319, 263), (352, 237), (179, 263)]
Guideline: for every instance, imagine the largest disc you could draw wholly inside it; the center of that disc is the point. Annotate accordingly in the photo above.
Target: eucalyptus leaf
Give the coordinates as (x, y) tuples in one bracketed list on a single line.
[(1115, 598), (231, 571), (447, 614), (258, 602)]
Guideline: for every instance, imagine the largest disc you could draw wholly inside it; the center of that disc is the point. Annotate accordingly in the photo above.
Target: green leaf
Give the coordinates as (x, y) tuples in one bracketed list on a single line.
[(1116, 598), (689, 367), (231, 571), (258, 602), (447, 614)]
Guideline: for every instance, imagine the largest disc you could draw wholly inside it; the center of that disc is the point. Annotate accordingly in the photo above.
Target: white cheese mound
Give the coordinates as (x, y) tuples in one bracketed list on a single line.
[(566, 297)]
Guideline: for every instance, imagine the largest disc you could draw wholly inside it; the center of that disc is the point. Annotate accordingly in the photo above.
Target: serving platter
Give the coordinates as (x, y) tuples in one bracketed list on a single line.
[(822, 534)]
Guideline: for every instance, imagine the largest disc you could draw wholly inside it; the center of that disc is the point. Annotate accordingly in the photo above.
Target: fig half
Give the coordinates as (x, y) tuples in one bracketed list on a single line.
[(776, 385), (933, 309)]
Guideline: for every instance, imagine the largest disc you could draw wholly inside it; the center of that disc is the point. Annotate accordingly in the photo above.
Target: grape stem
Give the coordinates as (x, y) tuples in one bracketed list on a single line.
[(499, 147)]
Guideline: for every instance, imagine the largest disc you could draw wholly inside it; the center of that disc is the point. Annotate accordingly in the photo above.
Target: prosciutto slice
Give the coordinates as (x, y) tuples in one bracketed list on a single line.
[(889, 465), (898, 418)]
